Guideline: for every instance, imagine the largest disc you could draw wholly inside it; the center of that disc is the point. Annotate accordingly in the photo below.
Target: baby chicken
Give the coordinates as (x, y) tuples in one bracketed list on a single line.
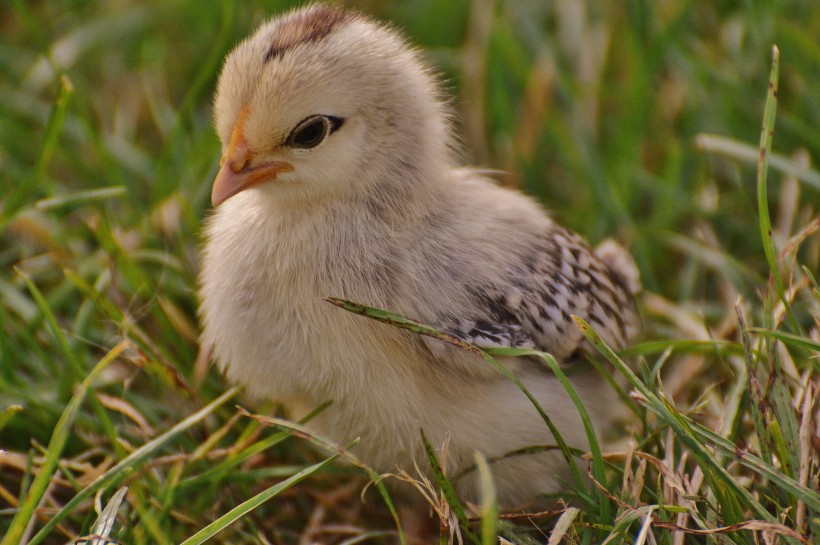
[(339, 178)]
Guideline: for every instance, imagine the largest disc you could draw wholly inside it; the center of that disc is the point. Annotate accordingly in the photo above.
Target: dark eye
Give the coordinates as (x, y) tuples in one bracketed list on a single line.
[(312, 131)]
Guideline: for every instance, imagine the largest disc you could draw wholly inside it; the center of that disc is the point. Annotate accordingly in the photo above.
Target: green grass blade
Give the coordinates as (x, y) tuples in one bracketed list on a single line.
[(246, 507), (105, 523), (402, 322), (130, 463), (73, 363), (727, 147), (647, 348), (598, 470), (766, 133), (790, 339), (447, 490), (81, 197), (62, 341), (54, 127), (59, 437), (327, 444), (758, 376), (756, 464), (683, 430), (220, 470), (489, 502)]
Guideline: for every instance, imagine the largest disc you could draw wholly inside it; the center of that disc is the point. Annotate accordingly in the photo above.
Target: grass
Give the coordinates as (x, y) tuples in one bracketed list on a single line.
[(636, 119)]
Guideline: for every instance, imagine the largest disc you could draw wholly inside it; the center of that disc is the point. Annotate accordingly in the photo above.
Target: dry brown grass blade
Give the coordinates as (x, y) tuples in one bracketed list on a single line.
[(753, 525)]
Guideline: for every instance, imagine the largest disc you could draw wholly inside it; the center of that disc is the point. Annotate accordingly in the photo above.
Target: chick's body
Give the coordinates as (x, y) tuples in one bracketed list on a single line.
[(375, 211)]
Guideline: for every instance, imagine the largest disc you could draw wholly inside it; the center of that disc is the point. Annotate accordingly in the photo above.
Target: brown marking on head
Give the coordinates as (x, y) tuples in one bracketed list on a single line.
[(305, 26)]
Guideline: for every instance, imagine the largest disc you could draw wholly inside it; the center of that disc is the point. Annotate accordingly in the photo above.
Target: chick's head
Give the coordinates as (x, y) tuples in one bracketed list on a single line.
[(323, 102)]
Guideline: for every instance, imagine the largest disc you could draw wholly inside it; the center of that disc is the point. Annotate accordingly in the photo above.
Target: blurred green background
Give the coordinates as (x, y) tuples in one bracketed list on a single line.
[(107, 154)]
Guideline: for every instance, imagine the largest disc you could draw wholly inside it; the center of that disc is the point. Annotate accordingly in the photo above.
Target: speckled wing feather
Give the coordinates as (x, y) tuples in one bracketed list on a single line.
[(561, 277)]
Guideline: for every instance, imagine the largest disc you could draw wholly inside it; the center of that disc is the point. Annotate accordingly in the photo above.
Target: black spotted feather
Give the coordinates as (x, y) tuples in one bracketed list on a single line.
[(560, 277)]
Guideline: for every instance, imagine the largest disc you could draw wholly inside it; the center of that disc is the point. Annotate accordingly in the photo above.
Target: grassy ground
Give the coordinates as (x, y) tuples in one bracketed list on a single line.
[(635, 119)]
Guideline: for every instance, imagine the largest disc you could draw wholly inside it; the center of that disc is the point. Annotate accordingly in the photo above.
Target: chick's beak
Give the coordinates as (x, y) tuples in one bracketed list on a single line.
[(235, 176), (236, 173)]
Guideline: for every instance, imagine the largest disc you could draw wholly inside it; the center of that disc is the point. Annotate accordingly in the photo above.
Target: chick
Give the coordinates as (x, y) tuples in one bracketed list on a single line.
[(339, 177)]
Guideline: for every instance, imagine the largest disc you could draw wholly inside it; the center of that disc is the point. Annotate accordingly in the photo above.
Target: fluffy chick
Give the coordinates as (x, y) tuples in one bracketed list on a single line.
[(339, 178)]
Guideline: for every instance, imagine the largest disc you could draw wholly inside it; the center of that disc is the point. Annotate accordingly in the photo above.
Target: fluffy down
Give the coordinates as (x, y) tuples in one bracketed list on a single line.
[(379, 212)]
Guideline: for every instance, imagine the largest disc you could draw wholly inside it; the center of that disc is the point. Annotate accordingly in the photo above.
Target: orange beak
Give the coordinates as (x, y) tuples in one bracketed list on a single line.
[(235, 173)]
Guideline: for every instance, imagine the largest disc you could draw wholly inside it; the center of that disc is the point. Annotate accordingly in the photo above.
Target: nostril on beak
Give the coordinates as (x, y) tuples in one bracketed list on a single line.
[(242, 164)]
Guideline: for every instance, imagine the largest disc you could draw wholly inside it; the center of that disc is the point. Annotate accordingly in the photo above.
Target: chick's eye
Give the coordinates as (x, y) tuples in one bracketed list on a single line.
[(312, 131)]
